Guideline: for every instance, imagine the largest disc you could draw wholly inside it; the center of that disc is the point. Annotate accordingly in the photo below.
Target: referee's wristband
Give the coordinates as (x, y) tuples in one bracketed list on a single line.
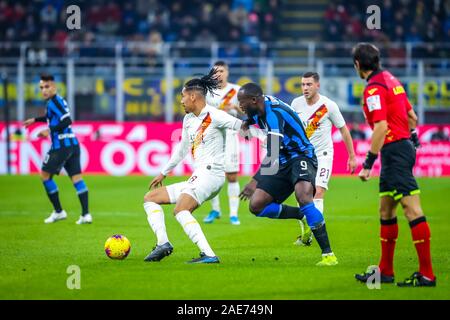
[(370, 160)]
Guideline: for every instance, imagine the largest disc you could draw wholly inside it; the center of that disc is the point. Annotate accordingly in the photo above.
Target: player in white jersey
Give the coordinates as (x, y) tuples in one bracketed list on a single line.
[(203, 134), (318, 114), (225, 98)]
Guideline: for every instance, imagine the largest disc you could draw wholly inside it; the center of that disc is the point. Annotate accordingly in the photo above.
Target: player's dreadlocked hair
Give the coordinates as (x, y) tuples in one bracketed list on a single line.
[(207, 83)]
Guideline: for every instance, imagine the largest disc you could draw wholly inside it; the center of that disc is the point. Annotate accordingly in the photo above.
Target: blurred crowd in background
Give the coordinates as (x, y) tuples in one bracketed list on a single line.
[(155, 21), (417, 22), (412, 21), (246, 21)]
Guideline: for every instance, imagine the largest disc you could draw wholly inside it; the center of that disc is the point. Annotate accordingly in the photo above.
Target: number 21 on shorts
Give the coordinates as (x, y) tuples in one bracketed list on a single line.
[(324, 173)]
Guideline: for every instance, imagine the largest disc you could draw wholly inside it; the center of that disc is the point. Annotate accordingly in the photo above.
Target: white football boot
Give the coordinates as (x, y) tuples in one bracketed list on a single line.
[(87, 218), (54, 217)]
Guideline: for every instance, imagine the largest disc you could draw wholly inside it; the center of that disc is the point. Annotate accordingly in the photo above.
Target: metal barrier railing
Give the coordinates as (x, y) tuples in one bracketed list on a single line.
[(151, 74)]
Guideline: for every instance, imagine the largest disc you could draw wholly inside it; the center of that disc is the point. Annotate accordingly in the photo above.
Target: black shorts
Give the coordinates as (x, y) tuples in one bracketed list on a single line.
[(282, 184), (69, 158), (396, 177)]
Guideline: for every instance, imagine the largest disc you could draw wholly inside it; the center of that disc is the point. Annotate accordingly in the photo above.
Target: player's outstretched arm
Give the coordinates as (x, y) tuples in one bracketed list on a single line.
[(249, 132), (30, 121), (223, 120), (235, 107)]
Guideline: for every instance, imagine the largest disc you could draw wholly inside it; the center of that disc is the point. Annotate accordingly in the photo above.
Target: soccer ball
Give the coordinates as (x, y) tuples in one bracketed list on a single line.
[(117, 247)]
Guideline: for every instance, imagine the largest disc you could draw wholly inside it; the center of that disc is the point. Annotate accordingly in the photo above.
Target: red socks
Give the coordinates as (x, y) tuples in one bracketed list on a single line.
[(388, 237), (421, 236)]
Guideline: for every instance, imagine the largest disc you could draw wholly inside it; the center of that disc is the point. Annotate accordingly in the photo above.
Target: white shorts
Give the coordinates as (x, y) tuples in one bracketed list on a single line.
[(203, 185), (324, 170), (231, 151)]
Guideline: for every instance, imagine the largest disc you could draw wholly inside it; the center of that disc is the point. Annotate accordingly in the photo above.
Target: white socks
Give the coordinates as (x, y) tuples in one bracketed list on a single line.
[(155, 217), (215, 202), (233, 196), (319, 205), (194, 231)]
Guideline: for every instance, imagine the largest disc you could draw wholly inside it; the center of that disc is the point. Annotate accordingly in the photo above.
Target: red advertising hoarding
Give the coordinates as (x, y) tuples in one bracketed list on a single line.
[(143, 148)]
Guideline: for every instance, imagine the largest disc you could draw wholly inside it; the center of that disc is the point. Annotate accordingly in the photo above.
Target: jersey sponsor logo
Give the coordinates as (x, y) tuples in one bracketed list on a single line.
[(373, 103), (66, 135), (313, 121), (372, 91), (398, 90), (227, 98), (200, 132)]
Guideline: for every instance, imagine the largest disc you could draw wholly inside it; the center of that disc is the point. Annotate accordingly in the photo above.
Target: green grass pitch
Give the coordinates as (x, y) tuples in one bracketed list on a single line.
[(258, 258)]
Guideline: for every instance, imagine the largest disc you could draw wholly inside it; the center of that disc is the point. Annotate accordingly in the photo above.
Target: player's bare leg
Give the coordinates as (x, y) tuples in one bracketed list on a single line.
[(53, 194), (259, 200), (82, 192), (262, 205), (186, 204), (159, 196), (233, 196), (421, 236), (155, 217)]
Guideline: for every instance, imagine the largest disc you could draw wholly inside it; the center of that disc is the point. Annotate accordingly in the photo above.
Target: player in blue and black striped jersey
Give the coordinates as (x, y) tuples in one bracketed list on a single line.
[(64, 152), (290, 166)]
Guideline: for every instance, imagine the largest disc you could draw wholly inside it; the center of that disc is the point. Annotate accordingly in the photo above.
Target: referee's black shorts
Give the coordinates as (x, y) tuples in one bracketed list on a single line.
[(396, 177), (67, 157), (281, 184)]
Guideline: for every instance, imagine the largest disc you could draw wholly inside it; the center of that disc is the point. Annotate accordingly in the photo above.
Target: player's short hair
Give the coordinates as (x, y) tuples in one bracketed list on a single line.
[(367, 55), (252, 89), (312, 74), (221, 63), (207, 83), (47, 77)]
